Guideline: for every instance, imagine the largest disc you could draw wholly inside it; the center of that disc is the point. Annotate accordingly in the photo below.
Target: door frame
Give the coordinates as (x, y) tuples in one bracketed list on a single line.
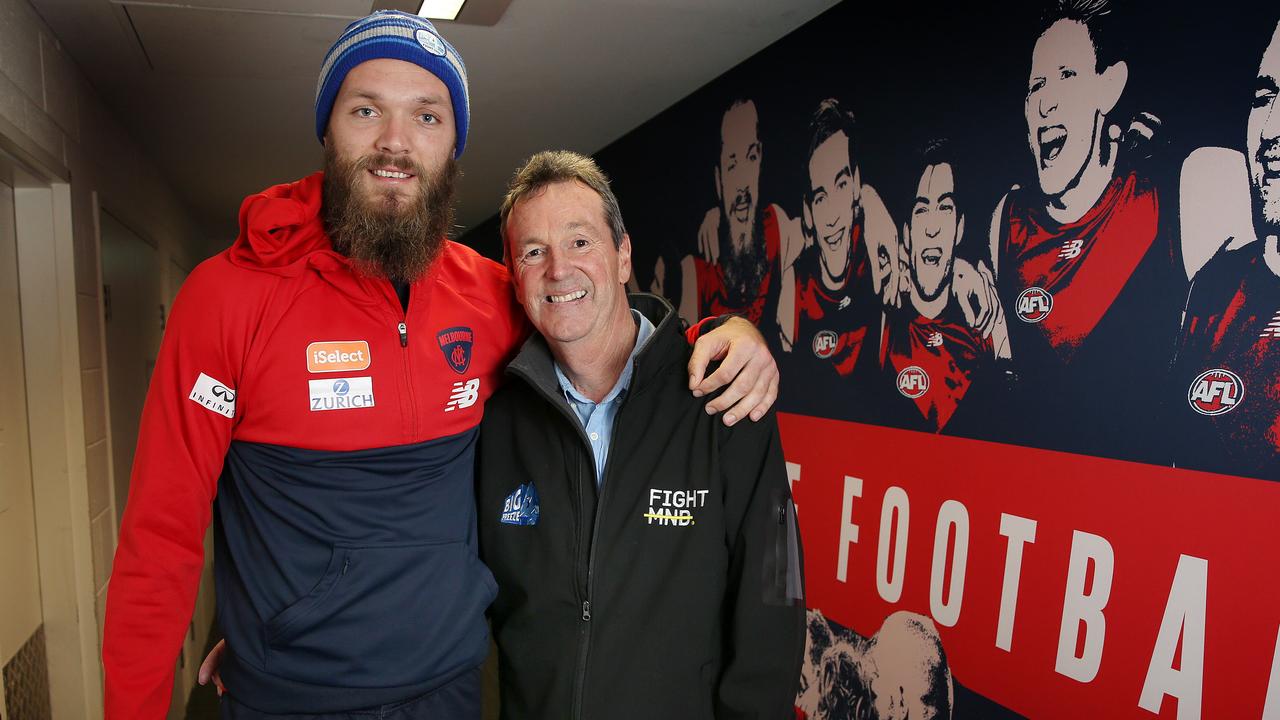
[(55, 421)]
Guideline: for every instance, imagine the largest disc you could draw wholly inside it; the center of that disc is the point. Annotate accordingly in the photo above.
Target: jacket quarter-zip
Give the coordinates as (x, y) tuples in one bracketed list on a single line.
[(402, 330)]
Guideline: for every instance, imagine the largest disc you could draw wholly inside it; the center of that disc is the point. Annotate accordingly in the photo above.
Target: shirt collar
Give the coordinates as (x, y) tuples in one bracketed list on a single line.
[(644, 331)]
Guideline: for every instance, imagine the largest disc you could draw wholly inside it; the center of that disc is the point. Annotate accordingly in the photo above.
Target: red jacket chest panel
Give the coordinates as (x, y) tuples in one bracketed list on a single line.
[(336, 372)]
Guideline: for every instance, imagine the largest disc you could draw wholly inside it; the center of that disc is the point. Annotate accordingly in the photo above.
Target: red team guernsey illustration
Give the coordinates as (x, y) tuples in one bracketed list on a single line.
[(828, 326), (932, 363), (1225, 370), (1225, 389), (1070, 274), (716, 291)]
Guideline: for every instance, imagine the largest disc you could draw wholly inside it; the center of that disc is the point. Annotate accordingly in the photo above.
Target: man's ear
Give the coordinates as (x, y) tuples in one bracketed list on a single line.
[(624, 259), (960, 229), (1114, 79), (719, 187), (857, 187)]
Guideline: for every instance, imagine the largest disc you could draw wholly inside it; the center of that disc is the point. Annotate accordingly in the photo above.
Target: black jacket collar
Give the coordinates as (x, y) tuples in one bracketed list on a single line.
[(535, 364)]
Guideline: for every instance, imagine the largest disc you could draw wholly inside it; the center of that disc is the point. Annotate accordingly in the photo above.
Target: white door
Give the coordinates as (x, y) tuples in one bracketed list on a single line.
[(25, 691)]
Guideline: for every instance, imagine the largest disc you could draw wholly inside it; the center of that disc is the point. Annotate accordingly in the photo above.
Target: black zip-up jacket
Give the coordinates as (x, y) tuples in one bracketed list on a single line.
[(675, 590)]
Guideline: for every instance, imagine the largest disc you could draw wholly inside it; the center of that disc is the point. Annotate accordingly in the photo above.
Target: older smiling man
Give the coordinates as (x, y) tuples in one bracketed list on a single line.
[(647, 557)]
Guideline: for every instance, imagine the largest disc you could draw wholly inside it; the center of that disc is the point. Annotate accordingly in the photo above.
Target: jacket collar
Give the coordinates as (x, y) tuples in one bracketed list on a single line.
[(535, 365)]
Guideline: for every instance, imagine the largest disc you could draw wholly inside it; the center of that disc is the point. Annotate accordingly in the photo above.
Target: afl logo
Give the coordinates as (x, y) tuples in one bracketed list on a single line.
[(1034, 304), (824, 344), (1215, 392), (913, 382)]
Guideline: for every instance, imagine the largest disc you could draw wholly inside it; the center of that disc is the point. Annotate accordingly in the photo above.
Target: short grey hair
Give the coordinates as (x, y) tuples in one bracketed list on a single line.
[(553, 166)]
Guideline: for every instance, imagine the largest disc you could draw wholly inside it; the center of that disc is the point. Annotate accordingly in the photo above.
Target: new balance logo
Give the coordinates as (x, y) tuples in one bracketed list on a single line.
[(1071, 249), (935, 340), (1272, 330), (464, 395)]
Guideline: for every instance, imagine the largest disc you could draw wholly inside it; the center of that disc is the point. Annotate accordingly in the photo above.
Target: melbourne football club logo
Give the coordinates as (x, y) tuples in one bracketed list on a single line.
[(824, 344), (1215, 392), (455, 343), (1034, 304), (521, 506), (913, 382)]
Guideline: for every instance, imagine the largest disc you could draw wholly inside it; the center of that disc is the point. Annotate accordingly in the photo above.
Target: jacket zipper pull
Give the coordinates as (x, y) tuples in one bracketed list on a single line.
[(403, 328), (586, 610)]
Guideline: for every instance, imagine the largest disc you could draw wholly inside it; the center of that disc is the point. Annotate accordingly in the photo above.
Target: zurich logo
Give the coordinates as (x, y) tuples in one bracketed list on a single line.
[(341, 387), (521, 506)]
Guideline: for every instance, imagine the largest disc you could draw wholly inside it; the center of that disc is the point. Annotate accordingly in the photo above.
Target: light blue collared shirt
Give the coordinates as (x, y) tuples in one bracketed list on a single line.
[(597, 418)]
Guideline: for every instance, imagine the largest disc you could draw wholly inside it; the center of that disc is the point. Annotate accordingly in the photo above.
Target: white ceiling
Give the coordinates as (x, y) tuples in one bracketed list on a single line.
[(222, 100)]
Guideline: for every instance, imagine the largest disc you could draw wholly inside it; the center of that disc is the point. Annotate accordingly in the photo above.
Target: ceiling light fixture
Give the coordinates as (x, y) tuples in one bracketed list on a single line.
[(441, 9)]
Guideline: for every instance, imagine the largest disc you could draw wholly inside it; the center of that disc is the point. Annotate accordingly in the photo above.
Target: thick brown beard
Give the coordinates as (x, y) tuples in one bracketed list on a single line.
[(384, 234), (744, 266)]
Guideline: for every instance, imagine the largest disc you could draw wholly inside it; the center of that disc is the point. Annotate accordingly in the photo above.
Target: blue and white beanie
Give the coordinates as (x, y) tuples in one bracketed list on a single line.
[(399, 36)]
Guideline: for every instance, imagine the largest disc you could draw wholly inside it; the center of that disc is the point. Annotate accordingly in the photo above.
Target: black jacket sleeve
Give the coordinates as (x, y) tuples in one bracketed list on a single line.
[(764, 607)]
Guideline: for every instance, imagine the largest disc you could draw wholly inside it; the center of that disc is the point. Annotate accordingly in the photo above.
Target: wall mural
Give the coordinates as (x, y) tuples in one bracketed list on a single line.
[(1020, 266)]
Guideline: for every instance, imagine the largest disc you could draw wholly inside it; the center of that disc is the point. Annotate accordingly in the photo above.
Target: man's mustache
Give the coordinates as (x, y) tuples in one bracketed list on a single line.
[(385, 160)]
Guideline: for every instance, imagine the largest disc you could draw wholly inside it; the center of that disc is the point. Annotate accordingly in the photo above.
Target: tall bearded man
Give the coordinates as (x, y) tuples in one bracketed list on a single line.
[(324, 379)]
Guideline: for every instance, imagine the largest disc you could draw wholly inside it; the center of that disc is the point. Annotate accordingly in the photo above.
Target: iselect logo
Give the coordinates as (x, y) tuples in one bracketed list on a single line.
[(341, 393), (347, 356)]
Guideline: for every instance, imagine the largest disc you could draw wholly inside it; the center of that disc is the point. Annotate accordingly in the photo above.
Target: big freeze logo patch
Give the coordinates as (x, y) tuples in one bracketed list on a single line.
[(521, 506)]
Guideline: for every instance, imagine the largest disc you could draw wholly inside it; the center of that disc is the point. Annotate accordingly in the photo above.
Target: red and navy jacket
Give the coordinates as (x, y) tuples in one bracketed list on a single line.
[(1225, 390), (337, 432)]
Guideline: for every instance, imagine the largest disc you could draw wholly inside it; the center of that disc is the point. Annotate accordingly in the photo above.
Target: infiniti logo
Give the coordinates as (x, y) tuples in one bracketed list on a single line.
[(224, 393)]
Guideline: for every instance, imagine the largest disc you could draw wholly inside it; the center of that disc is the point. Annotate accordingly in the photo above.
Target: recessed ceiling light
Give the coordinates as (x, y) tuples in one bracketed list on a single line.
[(441, 9)]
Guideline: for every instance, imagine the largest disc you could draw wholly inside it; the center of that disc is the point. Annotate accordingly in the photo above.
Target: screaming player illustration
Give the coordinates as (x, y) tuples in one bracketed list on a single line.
[(1083, 264), (930, 354)]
